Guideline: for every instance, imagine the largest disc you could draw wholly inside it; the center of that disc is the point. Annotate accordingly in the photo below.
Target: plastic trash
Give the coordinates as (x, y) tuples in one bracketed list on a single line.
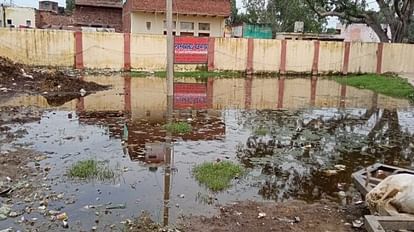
[(117, 206), (393, 196)]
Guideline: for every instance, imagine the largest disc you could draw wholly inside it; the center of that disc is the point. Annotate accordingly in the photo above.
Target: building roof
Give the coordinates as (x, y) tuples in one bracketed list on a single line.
[(100, 3), (190, 7)]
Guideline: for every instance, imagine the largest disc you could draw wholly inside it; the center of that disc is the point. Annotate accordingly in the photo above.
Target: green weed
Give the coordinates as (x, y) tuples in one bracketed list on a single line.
[(178, 127), (392, 86), (217, 176), (91, 169)]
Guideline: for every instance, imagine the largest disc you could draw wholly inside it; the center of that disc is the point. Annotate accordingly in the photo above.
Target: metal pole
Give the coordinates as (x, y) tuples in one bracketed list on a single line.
[(170, 50)]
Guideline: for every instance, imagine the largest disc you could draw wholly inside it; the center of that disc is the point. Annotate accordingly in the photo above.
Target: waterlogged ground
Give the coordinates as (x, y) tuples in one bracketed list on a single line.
[(297, 138)]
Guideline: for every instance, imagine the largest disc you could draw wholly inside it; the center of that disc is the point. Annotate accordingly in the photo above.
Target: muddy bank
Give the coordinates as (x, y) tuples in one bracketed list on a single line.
[(287, 216), (55, 86)]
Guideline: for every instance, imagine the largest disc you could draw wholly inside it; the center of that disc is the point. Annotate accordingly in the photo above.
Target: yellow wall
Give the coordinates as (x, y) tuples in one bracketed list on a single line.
[(363, 58), (108, 100), (229, 93), (265, 93), (297, 93), (38, 47), (148, 52), (398, 58), (103, 50), (230, 54), (139, 23), (148, 98), (266, 55), (331, 57), (299, 56)]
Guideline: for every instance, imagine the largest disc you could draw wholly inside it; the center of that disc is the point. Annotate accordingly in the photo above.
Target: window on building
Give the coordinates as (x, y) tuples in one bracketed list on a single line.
[(186, 34), (28, 23), (204, 26), (148, 26), (186, 26), (9, 22), (174, 24), (203, 34), (165, 33)]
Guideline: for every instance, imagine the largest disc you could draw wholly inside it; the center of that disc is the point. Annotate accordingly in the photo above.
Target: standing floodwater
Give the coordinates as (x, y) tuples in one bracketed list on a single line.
[(297, 138)]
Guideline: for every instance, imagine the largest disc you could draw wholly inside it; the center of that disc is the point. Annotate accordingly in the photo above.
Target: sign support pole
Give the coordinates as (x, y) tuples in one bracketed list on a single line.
[(170, 50)]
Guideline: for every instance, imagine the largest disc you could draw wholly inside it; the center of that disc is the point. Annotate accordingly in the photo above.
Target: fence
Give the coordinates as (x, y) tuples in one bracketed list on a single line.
[(96, 50)]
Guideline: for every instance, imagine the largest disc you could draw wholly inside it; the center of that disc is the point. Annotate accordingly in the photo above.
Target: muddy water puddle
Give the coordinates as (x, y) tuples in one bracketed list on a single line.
[(297, 138)]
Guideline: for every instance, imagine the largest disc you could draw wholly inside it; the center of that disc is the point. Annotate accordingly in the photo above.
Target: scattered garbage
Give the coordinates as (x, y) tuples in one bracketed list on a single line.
[(82, 92), (117, 206), (261, 215), (357, 223), (65, 224), (61, 217)]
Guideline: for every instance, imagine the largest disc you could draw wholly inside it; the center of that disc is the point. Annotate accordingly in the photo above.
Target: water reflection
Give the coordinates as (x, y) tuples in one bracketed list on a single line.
[(286, 131)]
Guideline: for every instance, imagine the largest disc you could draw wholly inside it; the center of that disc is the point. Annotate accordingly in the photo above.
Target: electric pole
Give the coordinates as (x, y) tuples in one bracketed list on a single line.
[(170, 50)]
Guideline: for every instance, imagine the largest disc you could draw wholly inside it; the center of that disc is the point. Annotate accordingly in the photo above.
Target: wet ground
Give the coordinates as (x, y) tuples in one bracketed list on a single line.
[(298, 138)]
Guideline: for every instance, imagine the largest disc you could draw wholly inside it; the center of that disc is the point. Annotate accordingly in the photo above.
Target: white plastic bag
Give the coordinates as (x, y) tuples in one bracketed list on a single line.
[(393, 196)]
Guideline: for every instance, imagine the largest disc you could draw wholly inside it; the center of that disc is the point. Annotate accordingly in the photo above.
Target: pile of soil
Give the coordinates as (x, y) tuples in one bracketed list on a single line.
[(55, 85), (286, 216)]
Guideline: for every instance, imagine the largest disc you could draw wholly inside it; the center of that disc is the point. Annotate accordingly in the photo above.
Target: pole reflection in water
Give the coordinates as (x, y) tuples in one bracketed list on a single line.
[(168, 159)]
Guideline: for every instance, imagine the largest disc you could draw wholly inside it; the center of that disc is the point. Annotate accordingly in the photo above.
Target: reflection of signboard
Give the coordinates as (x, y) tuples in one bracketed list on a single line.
[(190, 50), (190, 95)]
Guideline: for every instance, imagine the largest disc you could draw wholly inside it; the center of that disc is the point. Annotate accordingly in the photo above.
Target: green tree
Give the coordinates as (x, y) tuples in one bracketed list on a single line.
[(235, 17), (281, 15), (70, 5), (397, 14)]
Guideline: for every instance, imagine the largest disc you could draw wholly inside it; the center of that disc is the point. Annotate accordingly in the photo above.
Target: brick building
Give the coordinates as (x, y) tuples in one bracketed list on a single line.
[(50, 15), (190, 18), (98, 14)]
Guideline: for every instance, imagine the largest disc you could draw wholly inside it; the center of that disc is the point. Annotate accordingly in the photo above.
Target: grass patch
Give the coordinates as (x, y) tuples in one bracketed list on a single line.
[(261, 131), (91, 169), (392, 86), (217, 176), (178, 127), (194, 74)]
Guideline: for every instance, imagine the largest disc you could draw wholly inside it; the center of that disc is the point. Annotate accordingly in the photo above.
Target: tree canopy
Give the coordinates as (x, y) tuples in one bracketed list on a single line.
[(395, 14), (281, 15)]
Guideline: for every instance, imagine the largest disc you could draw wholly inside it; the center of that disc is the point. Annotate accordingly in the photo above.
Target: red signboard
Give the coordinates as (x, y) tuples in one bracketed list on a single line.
[(190, 95), (190, 50)]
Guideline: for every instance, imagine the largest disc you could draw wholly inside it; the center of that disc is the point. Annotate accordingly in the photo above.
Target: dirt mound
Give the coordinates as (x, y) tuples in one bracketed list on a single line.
[(19, 78)]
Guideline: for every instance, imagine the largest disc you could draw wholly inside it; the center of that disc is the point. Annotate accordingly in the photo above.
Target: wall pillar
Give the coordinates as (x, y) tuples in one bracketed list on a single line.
[(127, 93), (211, 50), (379, 57), (343, 96), (127, 52), (315, 64), (210, 87), (282, 68), (250, 51), (314, 82), (78, 50), (248, 84), (346, 58), (281, 92)]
